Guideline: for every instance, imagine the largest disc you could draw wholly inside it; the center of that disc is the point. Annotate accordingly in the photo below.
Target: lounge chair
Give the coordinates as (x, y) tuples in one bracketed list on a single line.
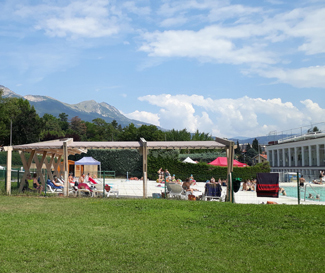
[(52, 188), (84, 188), (175, 191), (212, 192)]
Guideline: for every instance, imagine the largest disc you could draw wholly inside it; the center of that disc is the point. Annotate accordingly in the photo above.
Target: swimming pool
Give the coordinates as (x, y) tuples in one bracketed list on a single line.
[(310, 189)]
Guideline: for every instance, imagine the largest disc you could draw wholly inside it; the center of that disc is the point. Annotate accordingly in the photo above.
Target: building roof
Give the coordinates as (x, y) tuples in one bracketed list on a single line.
[(261, 155)]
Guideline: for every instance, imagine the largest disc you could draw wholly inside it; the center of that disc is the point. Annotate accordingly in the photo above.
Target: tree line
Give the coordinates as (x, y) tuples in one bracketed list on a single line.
[(18, 116)]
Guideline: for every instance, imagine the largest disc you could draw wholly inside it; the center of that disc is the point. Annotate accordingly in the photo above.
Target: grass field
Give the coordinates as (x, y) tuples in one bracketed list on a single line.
[(40, 234)]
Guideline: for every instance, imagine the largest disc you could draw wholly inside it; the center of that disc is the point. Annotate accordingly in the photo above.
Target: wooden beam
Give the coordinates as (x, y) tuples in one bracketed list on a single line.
[(39, 167), (8, 174), (26, 166)]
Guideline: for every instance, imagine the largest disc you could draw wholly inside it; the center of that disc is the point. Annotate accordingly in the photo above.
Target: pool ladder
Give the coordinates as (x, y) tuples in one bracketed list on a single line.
[(306, 191)]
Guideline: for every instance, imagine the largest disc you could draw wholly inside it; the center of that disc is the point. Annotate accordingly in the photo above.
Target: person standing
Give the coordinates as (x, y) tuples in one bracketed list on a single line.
[(302, 181)]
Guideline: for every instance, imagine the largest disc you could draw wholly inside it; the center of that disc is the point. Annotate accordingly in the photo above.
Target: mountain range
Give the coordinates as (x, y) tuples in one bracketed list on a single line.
[(85, 110), (89, 110)]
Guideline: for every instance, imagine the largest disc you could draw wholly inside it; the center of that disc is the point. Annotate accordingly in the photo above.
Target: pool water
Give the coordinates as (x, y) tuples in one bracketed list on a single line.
[(292, 192)]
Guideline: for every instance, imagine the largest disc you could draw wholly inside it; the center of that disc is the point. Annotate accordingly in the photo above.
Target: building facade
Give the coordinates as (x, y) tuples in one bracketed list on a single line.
[(304, 154)]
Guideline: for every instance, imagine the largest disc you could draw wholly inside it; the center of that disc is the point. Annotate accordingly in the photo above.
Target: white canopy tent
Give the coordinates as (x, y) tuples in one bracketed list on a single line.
[(189, 160)]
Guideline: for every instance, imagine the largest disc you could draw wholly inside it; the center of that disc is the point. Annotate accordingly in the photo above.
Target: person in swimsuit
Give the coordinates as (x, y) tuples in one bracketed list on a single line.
[(37, 185), (302, 181)]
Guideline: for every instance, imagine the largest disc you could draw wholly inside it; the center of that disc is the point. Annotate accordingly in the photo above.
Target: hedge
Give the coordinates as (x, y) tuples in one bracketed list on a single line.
[(123, 161)]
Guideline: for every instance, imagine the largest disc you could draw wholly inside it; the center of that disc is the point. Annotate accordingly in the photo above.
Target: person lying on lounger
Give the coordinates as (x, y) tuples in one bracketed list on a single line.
[(56, 181)]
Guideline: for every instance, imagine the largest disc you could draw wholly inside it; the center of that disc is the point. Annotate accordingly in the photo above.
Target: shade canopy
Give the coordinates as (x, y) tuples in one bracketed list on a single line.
[(189, 160), (222, 162), (87, 161)]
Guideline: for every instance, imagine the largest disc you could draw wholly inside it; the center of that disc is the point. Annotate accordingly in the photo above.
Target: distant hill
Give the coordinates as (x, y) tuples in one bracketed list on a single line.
[(86, 110), (262, 140)]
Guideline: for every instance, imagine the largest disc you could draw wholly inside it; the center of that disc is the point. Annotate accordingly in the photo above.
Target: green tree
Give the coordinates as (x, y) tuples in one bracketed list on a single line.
[(197, 136), (151, 133), (51, 128), (64, 123), (129, 133), (255, 145), (237, 150), (26, 124), (77, 129), (313, 130)]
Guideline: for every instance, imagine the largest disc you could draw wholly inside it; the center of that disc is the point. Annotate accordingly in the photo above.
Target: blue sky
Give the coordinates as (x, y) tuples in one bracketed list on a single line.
[(229, 68)]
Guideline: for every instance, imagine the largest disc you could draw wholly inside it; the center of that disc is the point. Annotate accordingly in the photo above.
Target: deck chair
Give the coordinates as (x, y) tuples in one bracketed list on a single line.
[(175, 190), (212, 192), (52, 188), (72, 188), (84, 188)]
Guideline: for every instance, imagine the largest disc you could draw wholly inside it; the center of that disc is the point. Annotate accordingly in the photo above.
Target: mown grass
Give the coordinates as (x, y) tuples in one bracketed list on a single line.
[(134, 235)]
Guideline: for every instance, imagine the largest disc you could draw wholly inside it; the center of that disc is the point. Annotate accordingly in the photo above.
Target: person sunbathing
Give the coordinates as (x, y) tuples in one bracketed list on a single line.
[(70, 179), (37, 185), (187, 186), (160, 174), (245, 187), (56, 182), (317, 182)]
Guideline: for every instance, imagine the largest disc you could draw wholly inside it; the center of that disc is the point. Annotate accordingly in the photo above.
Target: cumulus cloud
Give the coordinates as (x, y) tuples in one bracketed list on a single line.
[(230, 117), (145, 117), (205, 44)]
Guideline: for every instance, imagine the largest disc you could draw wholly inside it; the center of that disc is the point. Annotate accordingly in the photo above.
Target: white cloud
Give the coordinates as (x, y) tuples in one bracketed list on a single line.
[(132, 7), (144, 117), (174, 21), (207, 44), (313, 111), (90, 19), (304, 77), (231, 117)]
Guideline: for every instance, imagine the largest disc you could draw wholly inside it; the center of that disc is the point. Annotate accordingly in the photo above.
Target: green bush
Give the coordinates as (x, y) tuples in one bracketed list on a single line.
[(201, 171), (120, 161)]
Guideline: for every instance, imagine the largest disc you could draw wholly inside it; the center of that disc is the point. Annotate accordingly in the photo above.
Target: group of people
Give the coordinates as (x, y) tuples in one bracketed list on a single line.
[(164, 175), (249, 185), (35, 181)]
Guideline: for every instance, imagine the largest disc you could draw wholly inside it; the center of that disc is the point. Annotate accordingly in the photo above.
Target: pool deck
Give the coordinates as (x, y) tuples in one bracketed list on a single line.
[(134, 189)]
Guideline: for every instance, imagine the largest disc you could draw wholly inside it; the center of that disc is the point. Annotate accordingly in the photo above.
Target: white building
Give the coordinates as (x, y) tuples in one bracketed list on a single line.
[(304, 154)]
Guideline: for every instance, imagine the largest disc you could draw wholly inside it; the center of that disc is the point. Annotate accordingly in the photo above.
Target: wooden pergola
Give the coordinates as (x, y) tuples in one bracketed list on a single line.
[(60, 150)]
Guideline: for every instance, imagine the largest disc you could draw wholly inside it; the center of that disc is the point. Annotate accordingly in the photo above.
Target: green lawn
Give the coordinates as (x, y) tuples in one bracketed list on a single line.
[(40, 234)]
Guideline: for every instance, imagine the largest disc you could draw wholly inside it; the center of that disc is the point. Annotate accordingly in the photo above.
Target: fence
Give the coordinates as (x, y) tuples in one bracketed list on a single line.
[(291, 192), (131, 185)]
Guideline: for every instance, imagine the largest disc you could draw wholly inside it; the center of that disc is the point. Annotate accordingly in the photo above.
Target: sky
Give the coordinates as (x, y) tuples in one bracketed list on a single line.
[(228, 68)]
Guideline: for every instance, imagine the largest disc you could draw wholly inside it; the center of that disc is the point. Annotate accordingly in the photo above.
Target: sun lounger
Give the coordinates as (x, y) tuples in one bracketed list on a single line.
[(52, 188), (85, 189), (212, 192), (175, 191)]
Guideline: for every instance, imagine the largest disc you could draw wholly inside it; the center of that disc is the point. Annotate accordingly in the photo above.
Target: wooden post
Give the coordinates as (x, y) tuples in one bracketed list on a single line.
[(65, 168), (145, 167), (230, 167), (8, 175)]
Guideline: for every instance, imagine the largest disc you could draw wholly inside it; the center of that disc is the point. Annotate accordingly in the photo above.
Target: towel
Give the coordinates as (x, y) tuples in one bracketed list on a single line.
[(267, 185)]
